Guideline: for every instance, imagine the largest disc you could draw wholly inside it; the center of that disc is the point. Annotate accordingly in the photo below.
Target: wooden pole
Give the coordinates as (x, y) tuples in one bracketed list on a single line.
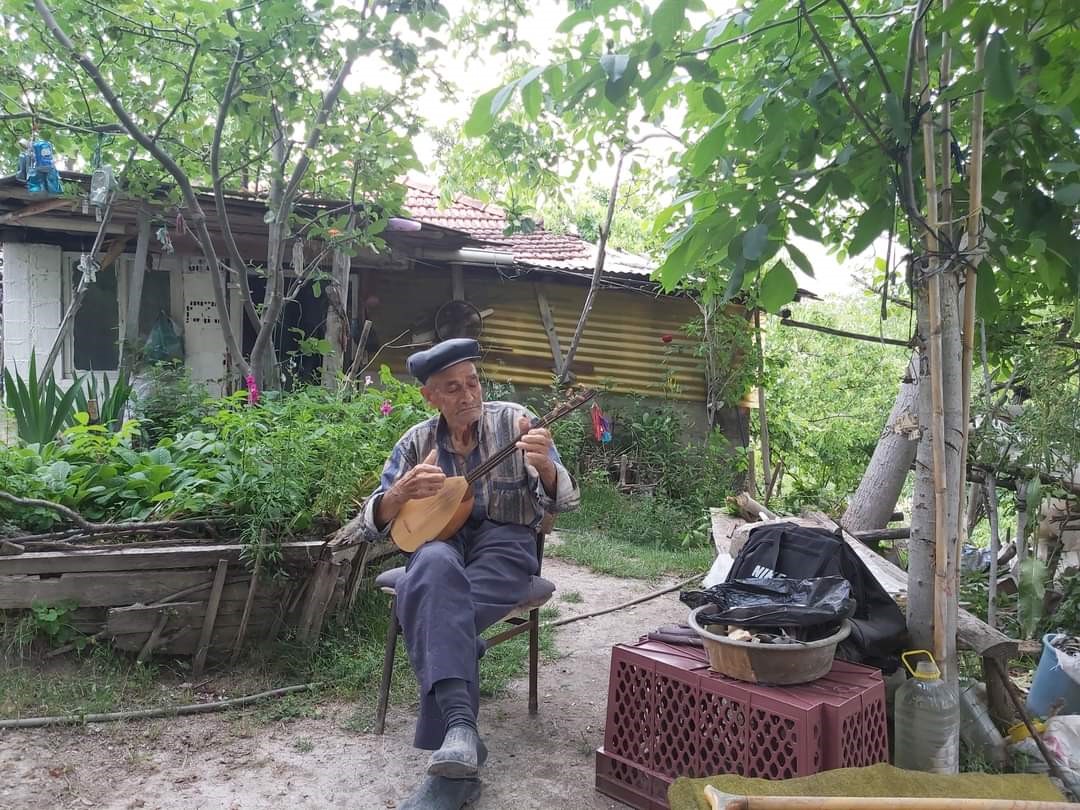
[(726, 801), (990, 486), (973, 237), (130, 326), (763, 420), (211, 617), (248, 602), (828, 330)]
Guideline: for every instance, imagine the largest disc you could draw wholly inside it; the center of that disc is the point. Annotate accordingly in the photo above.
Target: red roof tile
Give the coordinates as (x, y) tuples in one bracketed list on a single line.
[(541, 248)]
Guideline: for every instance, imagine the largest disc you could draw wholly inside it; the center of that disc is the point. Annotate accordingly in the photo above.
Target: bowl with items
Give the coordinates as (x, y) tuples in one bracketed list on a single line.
[(776, 632)]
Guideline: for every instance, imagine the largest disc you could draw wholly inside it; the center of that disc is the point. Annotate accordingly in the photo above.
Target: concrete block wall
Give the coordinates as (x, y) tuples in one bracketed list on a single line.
[(33, 303)]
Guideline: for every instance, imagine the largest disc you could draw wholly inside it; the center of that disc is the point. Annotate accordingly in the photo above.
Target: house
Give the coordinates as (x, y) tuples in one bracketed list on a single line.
[(450, 271)]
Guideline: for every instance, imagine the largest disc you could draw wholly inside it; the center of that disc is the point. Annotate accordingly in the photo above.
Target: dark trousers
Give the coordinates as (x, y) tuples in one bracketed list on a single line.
[(451, 592)]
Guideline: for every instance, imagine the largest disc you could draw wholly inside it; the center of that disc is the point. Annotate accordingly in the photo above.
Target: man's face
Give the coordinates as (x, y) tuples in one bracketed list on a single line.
[(456, 393)]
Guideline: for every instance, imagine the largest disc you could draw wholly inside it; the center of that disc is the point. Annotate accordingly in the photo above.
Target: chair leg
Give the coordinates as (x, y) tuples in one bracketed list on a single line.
[(534, 660), (388, 669)]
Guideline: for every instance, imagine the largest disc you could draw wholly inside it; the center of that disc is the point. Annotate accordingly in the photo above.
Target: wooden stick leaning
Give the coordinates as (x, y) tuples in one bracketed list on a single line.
[(727, 801)]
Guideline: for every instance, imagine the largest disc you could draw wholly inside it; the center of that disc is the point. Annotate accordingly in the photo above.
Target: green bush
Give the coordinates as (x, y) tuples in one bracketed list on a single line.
[(277, 469), (169, 402)]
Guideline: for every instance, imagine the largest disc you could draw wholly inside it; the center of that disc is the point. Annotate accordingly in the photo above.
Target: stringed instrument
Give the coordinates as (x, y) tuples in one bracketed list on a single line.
[(441, 516)]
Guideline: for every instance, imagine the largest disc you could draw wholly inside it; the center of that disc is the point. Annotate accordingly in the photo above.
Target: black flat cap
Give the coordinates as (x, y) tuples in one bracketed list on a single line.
[(442, 355)]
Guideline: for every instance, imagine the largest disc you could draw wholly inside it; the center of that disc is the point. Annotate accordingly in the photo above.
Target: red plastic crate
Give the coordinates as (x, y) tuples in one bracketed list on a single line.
[(669, 716)]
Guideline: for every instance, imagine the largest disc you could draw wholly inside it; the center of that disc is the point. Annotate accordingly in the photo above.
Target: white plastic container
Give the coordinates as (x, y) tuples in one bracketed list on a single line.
[(977, 729), (927, 720)]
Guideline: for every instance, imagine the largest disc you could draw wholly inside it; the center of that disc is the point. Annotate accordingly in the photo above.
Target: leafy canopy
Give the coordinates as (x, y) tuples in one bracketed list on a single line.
[(771, 149)]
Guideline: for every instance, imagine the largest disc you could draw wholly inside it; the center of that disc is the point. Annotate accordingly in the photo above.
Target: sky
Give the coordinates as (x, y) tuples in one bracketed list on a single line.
[(478, 75)]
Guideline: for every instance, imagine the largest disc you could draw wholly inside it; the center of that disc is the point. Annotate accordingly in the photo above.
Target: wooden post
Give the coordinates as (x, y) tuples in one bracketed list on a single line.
[(155, 635), (211, 617), (320, 592), (130, 325), (248, 602), (337, 318), (548, 320)]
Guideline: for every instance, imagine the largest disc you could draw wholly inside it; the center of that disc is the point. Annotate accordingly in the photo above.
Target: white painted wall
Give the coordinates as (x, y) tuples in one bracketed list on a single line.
[(32, 303)]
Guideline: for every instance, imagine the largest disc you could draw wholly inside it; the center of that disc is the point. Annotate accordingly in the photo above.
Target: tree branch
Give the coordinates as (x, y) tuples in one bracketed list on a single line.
[(840, 83), (219, 192), (741, 38), (107, 129), (866, 44), (170, 165), (37, 503)]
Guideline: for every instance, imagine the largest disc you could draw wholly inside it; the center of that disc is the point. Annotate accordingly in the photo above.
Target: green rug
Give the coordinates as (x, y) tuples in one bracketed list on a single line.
[(877, 780)]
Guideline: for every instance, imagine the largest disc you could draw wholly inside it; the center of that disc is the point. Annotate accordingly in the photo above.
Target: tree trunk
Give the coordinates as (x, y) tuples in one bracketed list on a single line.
[(337, 296), (873, 503)]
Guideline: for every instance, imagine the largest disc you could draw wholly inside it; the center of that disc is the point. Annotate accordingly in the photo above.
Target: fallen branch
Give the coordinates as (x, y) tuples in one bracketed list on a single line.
[(624, 605), (165, 711)]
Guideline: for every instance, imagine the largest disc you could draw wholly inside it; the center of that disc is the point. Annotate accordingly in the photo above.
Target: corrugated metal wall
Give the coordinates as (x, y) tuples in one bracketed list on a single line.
[(622, 350)]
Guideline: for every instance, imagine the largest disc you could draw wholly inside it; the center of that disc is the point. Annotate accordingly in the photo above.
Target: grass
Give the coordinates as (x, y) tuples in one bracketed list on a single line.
[(618, 557), (347, 660), (640, 537), (572, 597)]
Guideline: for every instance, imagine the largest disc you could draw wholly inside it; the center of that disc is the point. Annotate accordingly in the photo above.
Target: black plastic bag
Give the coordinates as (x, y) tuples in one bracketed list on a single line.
[(778, 602)]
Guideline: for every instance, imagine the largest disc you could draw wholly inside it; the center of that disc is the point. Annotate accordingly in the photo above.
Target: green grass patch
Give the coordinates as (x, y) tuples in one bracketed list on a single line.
[(624, 558), (572, 597)]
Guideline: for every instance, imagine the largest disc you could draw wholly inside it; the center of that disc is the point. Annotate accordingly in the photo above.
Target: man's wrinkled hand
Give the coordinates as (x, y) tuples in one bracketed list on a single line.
[(422, 481), (537, 444)]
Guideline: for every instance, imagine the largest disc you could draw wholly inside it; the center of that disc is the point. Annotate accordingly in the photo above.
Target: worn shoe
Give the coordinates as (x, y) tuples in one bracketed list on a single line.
[(440, 793), (460, 755)]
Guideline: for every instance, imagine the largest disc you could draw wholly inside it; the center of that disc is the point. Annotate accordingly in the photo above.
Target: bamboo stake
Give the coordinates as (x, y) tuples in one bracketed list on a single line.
[(937, 427), (991, 495), (763, 421), (973, 240), (623, 605), (210, 618), (248, 602), (726, 801)]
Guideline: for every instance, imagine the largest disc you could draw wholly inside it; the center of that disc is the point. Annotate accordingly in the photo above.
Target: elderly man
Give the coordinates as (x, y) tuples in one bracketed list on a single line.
[(453, 590)]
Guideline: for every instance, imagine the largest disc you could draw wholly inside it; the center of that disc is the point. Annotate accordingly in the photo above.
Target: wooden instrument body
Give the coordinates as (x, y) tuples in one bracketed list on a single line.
[(438, 517)]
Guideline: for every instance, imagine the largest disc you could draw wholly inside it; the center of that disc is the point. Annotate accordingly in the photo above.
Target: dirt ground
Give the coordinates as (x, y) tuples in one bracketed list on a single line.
[(232, 762)]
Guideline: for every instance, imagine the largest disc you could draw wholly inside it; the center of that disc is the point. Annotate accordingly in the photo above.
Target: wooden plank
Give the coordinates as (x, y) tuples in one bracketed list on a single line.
[(154, 639), (248, 604), (208, 622), (40, 207), (142, 618), (548, 320), (323, 580), (93, 589), (117, 558), (184, 641)]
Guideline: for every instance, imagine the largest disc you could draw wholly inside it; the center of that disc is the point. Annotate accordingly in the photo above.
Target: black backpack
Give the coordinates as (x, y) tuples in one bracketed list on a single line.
[(878, 628)]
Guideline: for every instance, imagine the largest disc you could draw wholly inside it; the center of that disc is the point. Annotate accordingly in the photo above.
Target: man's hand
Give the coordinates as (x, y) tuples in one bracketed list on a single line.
[(422, 481), (537, 444)]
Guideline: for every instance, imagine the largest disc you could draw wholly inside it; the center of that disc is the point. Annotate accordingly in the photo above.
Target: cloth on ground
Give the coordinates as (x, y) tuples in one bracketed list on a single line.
[(875, 780)]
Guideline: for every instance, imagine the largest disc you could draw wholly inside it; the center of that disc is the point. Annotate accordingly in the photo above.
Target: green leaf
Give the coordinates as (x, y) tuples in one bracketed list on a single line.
[(532, 98), (778, 287), (1062, 166), (501, 99), (986, 300), (897, 123), (614, 65), (480, 120), (713, 100), (1000, 69), (753, 108), (800, 259), (667, 20), (707, 149), (870, 226), (1032, 592), (753, 242), (1067, 195), (735, 280)]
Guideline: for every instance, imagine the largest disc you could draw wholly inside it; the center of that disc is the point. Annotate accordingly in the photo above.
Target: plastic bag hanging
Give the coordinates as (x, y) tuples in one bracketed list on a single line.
[(601, 424)]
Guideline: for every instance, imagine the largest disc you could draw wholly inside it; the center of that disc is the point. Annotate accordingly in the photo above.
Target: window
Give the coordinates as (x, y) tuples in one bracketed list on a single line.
[(93, 343)]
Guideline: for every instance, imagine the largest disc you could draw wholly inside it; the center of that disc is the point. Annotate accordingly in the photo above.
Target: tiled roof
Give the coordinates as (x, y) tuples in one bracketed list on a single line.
[(541, 248)]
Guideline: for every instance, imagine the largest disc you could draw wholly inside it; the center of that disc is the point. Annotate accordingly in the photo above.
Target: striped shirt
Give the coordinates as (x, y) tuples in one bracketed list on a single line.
[(510, 493)]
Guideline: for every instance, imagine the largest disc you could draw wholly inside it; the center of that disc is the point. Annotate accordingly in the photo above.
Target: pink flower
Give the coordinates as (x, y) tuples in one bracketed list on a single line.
[(386, 408), (253, 389)]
